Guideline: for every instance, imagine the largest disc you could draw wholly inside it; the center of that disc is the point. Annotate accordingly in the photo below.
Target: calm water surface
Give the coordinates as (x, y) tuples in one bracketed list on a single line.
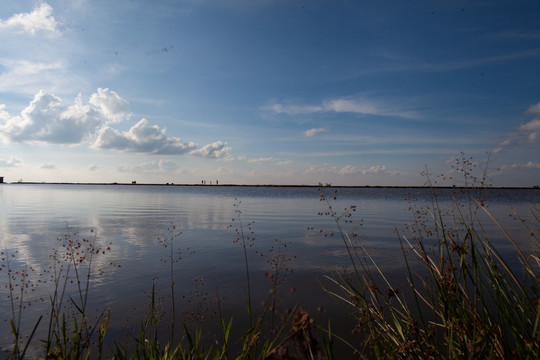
[(134, 220)]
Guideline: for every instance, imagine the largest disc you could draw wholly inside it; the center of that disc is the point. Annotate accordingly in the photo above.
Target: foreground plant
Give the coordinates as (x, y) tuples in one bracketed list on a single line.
[(71, 332), (462, 298)]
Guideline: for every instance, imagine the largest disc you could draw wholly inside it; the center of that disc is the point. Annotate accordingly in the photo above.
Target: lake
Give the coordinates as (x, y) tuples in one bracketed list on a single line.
[(135, 226)]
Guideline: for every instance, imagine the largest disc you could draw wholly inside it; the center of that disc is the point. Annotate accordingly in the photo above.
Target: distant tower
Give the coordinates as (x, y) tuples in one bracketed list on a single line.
[(1, 179)]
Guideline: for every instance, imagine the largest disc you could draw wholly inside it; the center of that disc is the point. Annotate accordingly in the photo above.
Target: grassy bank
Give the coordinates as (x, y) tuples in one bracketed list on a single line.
[(458, 297)]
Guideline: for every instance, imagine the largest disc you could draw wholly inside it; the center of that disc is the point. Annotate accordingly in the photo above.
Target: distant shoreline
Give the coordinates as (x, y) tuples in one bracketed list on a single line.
[(275, 185)]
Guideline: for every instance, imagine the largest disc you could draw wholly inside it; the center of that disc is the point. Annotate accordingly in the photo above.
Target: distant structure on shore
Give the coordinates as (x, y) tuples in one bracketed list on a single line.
[(203, 182), (1, 179)]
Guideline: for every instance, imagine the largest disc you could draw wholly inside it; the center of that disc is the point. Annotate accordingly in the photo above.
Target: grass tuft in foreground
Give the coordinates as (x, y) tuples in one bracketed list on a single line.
[(462, 300)]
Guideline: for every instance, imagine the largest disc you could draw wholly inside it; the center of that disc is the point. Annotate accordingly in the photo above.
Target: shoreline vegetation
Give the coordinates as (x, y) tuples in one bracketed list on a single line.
[(283, 185), (458, 297)]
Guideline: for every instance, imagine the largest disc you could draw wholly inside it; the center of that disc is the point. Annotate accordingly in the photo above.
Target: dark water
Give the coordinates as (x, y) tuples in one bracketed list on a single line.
[(133, 221)]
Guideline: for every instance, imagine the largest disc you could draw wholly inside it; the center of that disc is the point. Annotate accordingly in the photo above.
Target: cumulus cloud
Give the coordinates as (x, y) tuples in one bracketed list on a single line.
[(47, 119), (216, 150), (40, 20), (48, 166), (345, 105), (313, 132), (4, 115), (141, 138), (111, 105), (12, 162), (93, 167)]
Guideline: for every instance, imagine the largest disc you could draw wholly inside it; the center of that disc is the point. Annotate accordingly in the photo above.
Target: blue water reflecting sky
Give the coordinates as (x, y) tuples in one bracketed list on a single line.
[(134, 221)]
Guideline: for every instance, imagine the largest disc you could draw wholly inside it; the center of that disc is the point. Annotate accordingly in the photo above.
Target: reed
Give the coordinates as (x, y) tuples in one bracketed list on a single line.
[(461, 300)]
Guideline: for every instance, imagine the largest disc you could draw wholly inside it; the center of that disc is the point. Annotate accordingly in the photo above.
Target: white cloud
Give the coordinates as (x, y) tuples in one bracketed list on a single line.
[(534, 109), (533, 125), (12, 162), (93, 167), (26, 68), (349, 170), (529, 165), (372, 170), (111, 105), (355, 105), (48, 166), (216, 150), (46, 119), (141, 138), (296, 109), (285, 162), (26, 76), (527, 133), (324, 168), (4, 115), (260, 160), (164, 166), (313, 132), (161, 166), (39, 20)]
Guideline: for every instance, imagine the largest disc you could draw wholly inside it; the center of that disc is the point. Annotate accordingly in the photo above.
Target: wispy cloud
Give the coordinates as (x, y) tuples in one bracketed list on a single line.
[(313, 132), (48, 166), (534, 109), (349, 170), (354, 105), (527, 133), (161, 166), (12, 162), (260, 160), (528, 165), (25, 76), (40, 20)]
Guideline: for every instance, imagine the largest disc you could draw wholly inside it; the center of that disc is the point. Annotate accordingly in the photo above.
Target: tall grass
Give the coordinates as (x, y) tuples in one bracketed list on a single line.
[(462, 299), (71, 331)]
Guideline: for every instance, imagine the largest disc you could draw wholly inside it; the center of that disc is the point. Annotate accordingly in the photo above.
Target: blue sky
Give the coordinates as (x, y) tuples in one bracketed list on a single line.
[(268, 91)]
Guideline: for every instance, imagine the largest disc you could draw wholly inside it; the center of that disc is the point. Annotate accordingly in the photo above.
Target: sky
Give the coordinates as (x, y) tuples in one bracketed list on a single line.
[(270, 91)]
